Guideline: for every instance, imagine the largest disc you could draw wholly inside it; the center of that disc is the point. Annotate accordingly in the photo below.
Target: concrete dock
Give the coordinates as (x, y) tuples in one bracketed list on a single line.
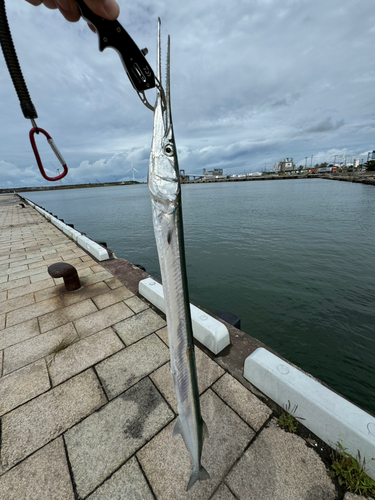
[(87, 404)]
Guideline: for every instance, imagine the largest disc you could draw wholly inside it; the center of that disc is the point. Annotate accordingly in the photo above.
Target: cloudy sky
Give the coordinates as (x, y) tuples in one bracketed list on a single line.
[(253, 82)]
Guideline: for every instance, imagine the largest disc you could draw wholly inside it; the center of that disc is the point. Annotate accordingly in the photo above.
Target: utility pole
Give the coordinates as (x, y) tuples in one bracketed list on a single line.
[(305, 162), (334, 162), (312, 156), (58, 173)]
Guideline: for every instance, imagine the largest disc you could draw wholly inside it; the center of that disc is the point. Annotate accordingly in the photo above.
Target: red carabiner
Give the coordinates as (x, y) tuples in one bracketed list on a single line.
[(55, 150)]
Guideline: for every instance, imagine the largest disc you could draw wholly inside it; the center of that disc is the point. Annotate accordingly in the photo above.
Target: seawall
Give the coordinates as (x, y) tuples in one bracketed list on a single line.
[(357, 178)]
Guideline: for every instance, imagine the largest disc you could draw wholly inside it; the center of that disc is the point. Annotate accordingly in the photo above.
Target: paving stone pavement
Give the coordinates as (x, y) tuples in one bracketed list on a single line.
[(87, 404)]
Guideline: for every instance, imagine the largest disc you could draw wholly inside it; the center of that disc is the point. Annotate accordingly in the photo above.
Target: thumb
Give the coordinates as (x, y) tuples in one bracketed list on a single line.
[(109, 9)]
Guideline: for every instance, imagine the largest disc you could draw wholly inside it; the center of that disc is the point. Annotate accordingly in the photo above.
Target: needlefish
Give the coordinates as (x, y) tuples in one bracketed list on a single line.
[(165, 190)]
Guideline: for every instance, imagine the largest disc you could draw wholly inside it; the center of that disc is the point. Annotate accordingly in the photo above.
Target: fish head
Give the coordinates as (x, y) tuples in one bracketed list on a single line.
[(163, 175)]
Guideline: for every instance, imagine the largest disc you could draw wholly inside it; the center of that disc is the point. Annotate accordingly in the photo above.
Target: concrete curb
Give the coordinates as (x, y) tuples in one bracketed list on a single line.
[(93, 248), (208, 330), (327, 414)]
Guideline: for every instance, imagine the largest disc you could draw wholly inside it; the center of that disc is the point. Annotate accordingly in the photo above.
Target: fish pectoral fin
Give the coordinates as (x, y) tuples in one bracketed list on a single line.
[(197, 475), (177, 428), (205, 430)]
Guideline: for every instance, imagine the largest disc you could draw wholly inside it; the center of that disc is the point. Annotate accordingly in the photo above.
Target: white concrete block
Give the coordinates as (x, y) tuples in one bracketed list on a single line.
[(66, 230), (328, 415), (93, 248), (75, 234), (57, 223), (208, 330), (90, 246), (153, 292)]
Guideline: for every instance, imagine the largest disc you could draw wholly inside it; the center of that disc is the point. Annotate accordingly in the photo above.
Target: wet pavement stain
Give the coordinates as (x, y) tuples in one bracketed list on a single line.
[(147, 399)]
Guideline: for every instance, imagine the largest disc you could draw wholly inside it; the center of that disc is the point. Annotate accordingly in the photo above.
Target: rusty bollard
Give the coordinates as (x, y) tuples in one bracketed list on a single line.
[(68, 273)]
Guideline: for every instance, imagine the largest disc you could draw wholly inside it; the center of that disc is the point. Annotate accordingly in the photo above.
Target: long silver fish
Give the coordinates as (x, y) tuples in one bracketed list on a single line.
[(165, 190)]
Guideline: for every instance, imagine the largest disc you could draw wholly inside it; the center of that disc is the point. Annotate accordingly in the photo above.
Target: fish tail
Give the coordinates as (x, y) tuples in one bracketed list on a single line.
[(197, 475)]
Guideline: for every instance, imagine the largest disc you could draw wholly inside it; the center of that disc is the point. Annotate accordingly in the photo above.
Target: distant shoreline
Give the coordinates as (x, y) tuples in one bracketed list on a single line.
[(69, 186), (363, 179), (368, 179)]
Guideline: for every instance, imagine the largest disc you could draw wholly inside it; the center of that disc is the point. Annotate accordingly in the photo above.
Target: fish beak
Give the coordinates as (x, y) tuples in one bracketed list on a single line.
[(168, 112), (162, 112)]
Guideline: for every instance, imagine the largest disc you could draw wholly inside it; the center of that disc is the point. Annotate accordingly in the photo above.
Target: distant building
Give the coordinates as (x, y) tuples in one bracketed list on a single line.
[(286, 166), (213, 174), (356, 162)]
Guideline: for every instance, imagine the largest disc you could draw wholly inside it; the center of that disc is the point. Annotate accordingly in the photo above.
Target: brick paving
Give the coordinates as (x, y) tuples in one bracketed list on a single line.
[(87, 405)]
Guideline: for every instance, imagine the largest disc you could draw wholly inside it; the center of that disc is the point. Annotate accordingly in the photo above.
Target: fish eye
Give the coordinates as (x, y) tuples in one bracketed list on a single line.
[(168, 149)]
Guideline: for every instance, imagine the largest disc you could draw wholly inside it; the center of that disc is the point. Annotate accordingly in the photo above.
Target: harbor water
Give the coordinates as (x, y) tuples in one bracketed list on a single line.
[(294, 259)]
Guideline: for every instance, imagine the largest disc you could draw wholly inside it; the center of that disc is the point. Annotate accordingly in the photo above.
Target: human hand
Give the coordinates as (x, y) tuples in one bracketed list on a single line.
[(109, 9)]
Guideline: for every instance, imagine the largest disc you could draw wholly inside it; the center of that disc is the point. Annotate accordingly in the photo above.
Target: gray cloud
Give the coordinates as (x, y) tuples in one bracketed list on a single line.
[(326, 125), (252, 83), (286, 101)]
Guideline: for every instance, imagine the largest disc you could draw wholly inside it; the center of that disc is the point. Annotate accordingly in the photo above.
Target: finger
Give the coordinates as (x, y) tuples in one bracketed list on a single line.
[(69, 9), (34, 2), (51, 4), (109, 9)]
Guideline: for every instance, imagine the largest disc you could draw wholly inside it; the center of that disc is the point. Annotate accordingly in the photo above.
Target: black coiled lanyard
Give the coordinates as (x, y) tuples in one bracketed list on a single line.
[(27, 106)]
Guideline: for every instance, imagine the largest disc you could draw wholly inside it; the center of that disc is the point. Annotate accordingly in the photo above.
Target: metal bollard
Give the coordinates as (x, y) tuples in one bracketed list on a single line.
[(68, 273)]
